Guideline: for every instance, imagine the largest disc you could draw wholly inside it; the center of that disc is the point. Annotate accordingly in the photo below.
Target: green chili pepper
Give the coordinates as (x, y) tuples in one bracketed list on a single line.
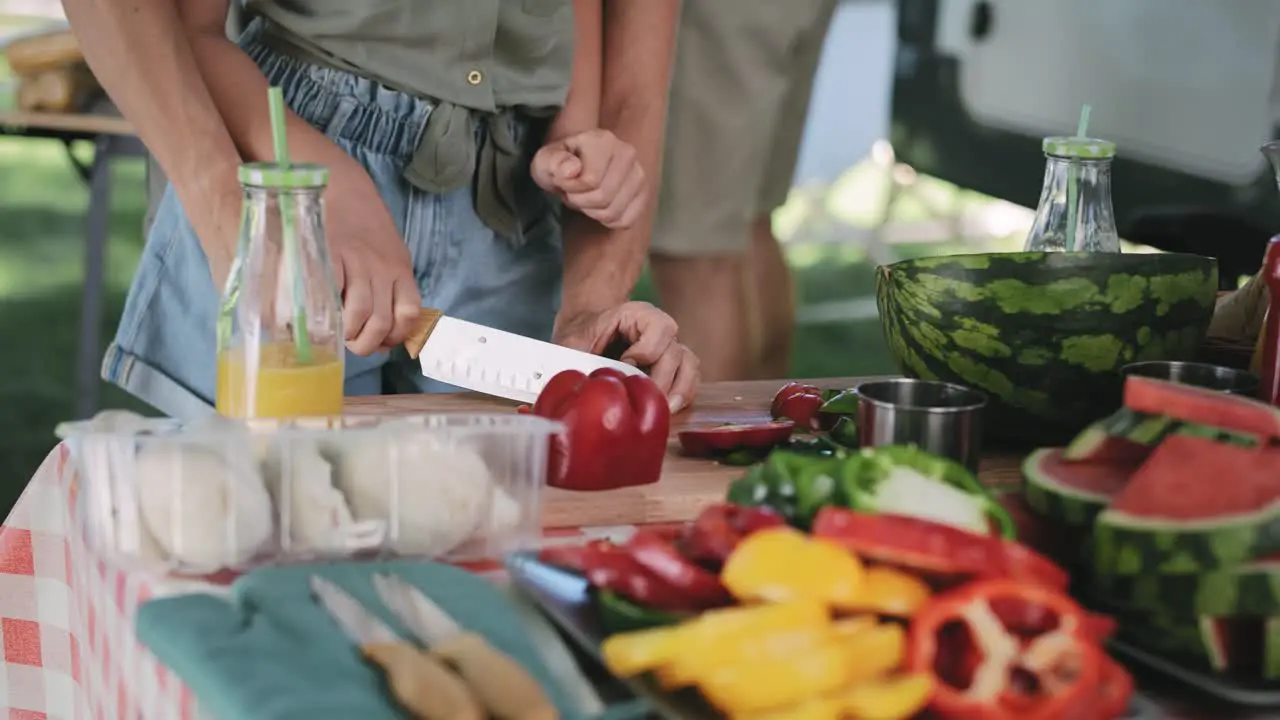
[(844, 402), (845, 432)]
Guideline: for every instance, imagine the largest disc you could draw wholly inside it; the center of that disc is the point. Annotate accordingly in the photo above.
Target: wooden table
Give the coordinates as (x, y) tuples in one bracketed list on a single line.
[(689, 484), (112, 137)]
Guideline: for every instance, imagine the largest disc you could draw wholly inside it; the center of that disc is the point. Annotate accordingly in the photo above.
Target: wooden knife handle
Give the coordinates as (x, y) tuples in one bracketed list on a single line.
[(423, 685), (427, 319), (505, 688)]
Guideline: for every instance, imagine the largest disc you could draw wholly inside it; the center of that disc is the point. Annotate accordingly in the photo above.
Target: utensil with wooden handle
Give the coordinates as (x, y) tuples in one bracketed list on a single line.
[(500, 683), (419, 681)]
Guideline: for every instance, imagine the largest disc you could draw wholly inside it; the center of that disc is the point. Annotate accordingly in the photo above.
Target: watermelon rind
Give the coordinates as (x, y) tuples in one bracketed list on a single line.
[(1124, 436), (1048, 495), (1247, 589), (1202, 406), (1044, 335), (1219, 435), (1125, 544)]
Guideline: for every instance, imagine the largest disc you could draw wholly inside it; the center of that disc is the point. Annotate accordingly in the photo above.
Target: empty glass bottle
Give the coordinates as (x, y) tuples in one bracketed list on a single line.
[(1075, 211), (280, 342)]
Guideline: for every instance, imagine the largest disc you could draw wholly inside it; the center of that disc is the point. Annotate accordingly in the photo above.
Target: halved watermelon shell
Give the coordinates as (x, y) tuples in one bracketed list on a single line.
[(1072, 493)]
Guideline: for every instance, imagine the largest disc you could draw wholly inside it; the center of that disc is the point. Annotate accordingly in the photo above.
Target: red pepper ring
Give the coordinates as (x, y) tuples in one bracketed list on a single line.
[(1062, 666)]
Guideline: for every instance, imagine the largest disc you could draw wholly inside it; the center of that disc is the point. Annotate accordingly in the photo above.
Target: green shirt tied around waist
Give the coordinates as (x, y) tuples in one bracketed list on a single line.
[(480, 60)]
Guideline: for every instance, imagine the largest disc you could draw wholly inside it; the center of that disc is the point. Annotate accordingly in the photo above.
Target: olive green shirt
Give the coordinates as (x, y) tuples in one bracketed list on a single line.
[(479, 59)]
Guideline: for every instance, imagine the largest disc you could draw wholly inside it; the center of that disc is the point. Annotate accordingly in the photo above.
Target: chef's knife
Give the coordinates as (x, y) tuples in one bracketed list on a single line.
[(492, 361)]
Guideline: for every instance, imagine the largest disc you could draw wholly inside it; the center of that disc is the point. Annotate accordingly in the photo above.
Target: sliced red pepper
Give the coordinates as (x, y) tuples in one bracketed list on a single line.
[(1116, 691), (570, 557), (616, 428), (752, 519), (987, 670), (719, 528), (712, 536), (929, 547), (718, 439), (610, 567), (663, 560), (803, 404)]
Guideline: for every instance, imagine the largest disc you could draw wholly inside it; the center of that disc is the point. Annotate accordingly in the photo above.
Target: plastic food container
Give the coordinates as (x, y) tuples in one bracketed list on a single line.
[(220, 495)]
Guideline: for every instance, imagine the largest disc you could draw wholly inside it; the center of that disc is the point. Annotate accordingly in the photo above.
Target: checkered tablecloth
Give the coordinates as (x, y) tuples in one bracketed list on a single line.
[(66, 618)]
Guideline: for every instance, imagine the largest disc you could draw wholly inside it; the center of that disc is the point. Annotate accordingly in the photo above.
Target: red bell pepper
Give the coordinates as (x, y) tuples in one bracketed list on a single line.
[(988, 668), (932, 548), (616, 428)]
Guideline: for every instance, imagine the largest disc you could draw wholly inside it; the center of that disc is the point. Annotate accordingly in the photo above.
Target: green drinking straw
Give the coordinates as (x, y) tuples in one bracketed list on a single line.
[(1073, 192), (301, 341)]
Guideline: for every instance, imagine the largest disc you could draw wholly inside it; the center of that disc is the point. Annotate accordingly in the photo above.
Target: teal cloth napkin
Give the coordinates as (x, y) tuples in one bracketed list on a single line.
[(270, 652)]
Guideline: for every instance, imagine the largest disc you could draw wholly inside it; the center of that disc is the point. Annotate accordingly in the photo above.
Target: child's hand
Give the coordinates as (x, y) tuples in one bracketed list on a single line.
[(596, 174)]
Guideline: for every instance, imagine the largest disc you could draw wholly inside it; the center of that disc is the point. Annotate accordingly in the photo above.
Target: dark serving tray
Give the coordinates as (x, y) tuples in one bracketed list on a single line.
[(1238, 691), (564, 597)]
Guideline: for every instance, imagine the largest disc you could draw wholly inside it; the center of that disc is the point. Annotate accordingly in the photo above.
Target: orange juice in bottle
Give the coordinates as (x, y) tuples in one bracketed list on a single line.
[(280, 342)]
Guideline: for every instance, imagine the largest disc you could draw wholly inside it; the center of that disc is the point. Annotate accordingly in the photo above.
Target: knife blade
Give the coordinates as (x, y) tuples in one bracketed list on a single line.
[(494, 362), (501, 683)]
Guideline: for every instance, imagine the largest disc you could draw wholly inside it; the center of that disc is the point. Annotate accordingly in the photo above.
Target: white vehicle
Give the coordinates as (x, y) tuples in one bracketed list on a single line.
[(1186, 88)]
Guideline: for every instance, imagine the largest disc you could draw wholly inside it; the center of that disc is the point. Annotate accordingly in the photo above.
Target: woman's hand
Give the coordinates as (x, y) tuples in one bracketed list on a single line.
[(595, 173)]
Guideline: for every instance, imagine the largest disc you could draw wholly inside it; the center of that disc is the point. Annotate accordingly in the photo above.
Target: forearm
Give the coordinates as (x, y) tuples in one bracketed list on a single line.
[(581, 111), (140, 54), (601, 265)]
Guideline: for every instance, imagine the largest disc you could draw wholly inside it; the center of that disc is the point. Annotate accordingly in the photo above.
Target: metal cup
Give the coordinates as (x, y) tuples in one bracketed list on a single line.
[(942, 418), (1213, 377)]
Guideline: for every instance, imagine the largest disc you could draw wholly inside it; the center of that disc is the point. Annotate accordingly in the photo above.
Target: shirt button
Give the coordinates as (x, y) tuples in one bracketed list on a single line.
[(475, 77)]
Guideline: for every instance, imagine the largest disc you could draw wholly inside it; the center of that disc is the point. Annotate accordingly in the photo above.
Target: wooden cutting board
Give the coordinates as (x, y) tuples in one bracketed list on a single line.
[(687, 484)]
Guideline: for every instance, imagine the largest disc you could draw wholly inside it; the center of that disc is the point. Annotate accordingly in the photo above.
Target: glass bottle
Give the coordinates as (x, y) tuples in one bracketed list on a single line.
[(1077, 190), (280, 341)]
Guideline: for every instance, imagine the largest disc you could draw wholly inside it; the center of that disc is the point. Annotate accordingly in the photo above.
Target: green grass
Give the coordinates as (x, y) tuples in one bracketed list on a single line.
[(41, 246)]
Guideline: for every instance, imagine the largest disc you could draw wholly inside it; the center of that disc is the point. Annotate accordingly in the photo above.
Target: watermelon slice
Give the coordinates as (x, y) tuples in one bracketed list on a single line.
[(1201, 406), (1125, 436), (1072, 493), (1194, 505)]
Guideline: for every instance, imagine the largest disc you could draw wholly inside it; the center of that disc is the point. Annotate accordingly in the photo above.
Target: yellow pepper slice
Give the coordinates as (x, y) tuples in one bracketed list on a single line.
[(847, 627), (890, 591), (694, 662), (876, 651), (759, 685), (824, 708), (781, 564), (629, 654), (894, 698), (633, 653)]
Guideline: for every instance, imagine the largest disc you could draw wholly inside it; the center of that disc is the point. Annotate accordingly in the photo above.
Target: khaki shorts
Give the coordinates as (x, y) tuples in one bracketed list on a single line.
[(739, 96)]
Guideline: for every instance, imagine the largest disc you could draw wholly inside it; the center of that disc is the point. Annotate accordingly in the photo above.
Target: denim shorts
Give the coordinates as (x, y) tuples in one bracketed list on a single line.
[(165, 350)]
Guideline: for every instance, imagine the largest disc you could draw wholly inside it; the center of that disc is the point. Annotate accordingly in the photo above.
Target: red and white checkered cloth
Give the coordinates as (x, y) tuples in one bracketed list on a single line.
[(66, 619)]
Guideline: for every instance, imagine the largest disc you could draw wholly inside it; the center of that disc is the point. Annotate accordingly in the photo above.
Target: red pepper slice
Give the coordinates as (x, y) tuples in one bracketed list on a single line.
[(663, 560), (616, 428), (610, 567), (803, 404), (929, 547), (998, 672), (1116, 692), (716, 439), (719, 528)]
